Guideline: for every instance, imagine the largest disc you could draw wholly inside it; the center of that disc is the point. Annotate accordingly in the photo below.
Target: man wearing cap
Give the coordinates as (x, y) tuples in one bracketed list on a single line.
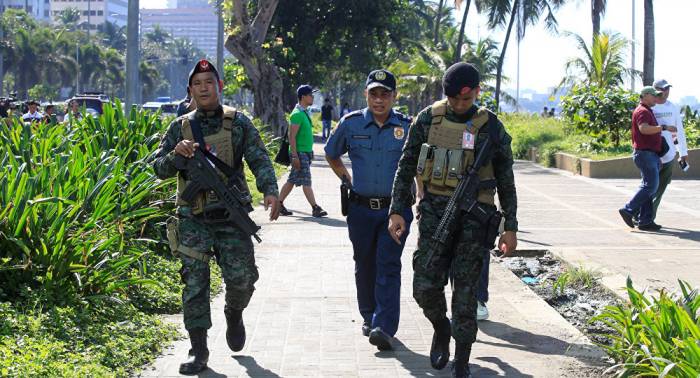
[(199, 230), (301, 144), (33, 115), (373, 138), (668, 114), (445, 137), (646, 141)]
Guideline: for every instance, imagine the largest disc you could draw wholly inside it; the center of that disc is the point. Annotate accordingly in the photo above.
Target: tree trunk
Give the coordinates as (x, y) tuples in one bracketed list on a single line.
[(436, 35), (245, 43), (502, 58), (649, 42), (595, 16), (460, 41)]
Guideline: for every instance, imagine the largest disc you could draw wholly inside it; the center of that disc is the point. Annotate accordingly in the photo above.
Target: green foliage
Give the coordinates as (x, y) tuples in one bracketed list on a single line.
[(657, 336), (43, 91), (602, 64), (576, 277), (94, 339), (602, 113), (691, 126), (78, 203)]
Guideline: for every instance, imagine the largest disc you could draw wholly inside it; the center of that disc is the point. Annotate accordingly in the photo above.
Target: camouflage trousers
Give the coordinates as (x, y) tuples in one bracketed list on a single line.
[(464, 263), (234, 254)]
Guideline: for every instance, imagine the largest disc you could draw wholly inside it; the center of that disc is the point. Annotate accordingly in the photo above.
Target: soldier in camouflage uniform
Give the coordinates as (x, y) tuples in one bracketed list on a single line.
[(197, 232), (458, 126)]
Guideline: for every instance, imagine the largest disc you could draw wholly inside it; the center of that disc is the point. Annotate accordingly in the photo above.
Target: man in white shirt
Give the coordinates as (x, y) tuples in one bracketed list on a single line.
[(668, 114), (33, 115)]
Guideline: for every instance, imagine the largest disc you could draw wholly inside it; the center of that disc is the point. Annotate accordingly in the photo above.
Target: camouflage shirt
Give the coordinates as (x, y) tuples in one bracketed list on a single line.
[(502, 165), (254, 151)]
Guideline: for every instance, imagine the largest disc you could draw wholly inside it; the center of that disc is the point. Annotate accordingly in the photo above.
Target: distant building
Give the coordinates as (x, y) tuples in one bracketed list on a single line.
[(96, 12), (39, 9), (199, 25)]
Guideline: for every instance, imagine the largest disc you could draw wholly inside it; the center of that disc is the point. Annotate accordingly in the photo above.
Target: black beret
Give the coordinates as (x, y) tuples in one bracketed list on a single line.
[(203, 66), (460, 78)]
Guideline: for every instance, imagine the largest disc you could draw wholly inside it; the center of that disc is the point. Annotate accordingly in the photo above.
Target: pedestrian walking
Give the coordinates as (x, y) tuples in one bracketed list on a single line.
[(301, 143), (326, 118), (200, 228), (667, 113), (647, 144), (373, 138), (442, 144)]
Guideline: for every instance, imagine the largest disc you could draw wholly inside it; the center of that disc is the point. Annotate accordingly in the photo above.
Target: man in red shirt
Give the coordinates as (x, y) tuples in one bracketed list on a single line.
[(646, 141)]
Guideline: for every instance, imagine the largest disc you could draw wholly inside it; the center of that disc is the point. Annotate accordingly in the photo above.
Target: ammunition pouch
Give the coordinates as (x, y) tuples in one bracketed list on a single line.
[(176, 248), (490, 220)]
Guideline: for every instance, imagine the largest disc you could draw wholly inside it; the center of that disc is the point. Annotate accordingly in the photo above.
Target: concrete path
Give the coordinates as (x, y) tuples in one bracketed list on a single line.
[(303, 318), (577, 218)]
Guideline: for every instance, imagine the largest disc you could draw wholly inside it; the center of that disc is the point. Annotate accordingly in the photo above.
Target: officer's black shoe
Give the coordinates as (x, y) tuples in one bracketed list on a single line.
[(366, 328), (649, 227), (198, 355), (380, 339), (284, 211), (318, 212), (460, 365), (627, 217), (235, 330), (440, 347)]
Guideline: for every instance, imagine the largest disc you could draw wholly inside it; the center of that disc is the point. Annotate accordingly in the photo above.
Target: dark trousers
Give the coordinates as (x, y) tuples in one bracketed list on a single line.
[(648, 163), (482, 289), (377, 265)]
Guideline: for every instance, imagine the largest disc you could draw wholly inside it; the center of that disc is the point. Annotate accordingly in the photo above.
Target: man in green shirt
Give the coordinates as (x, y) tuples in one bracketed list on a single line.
[(301, 143)]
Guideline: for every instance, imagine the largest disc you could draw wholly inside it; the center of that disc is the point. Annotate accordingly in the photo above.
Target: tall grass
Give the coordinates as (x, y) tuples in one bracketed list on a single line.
[(657, 336), (77, 203)]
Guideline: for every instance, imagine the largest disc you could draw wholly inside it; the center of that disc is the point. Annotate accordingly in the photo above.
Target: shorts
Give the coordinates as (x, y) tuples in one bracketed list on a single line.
[(302, 177)]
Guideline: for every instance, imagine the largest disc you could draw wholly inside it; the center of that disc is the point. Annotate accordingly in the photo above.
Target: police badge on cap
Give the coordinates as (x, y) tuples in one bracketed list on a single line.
[(381, 78)]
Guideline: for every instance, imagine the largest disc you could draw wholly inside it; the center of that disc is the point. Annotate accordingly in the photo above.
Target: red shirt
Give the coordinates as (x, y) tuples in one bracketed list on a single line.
[(643, 114)]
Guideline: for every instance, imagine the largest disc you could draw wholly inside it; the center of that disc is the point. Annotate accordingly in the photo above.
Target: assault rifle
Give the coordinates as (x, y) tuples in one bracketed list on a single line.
[(465, 198), (202, 177)]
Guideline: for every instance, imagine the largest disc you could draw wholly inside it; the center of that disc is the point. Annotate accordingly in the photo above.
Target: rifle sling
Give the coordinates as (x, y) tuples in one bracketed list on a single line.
[(229, 171)]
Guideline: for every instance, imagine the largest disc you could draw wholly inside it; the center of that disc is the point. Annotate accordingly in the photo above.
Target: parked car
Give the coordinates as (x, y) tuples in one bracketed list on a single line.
[(166, 108), (91, 101)]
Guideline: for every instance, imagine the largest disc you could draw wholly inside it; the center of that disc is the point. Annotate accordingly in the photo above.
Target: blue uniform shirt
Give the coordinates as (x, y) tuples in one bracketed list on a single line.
[(373, 151)]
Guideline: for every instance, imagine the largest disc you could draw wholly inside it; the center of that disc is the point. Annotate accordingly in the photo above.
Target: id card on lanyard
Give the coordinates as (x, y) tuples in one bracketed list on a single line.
[(468, 138)]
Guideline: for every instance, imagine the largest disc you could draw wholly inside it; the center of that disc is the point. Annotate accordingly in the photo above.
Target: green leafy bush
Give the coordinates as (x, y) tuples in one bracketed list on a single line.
[(691, 126), (657, 336), (94, 339), (603, 113)]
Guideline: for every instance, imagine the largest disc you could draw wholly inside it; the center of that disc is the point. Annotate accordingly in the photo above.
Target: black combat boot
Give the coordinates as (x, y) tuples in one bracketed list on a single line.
[(235, 330), (440, 348), (460, 365), (199, 354)]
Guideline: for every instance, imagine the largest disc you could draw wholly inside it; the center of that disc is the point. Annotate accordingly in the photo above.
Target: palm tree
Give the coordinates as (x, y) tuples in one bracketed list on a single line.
[(597, 11), (114, 34), (460, 41), (68, 17), (649, 42), (527, 12), (602, 64), (56, 62)]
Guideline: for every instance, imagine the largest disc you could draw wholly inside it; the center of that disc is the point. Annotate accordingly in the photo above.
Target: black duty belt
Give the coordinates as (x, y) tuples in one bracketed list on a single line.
[(374, 203)]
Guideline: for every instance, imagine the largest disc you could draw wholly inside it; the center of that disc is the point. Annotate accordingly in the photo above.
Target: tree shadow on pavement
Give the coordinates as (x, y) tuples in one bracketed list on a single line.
[(516, 338), (210, 373), (324, 221), (252, 368), (419, 364)]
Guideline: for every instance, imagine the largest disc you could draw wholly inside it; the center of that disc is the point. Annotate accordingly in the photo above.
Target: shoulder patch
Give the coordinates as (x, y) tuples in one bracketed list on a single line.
[(351, 115)]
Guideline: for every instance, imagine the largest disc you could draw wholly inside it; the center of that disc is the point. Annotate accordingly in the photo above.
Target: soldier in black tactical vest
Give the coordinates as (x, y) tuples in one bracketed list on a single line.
[(200, 229), (443, 143)]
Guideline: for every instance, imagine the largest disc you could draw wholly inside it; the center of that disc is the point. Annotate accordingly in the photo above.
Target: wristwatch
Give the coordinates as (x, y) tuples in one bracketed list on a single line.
[(663, 127)]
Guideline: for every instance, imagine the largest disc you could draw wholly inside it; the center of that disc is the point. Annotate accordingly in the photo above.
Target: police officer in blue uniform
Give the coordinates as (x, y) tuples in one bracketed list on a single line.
[(373, 138)]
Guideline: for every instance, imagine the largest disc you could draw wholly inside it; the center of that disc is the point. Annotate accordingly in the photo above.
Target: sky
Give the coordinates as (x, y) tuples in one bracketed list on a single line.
[(543, 55)]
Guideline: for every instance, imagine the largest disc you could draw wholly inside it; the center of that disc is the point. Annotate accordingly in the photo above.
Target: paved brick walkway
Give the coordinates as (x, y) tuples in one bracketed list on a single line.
[(576, 218), (303, 319)]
